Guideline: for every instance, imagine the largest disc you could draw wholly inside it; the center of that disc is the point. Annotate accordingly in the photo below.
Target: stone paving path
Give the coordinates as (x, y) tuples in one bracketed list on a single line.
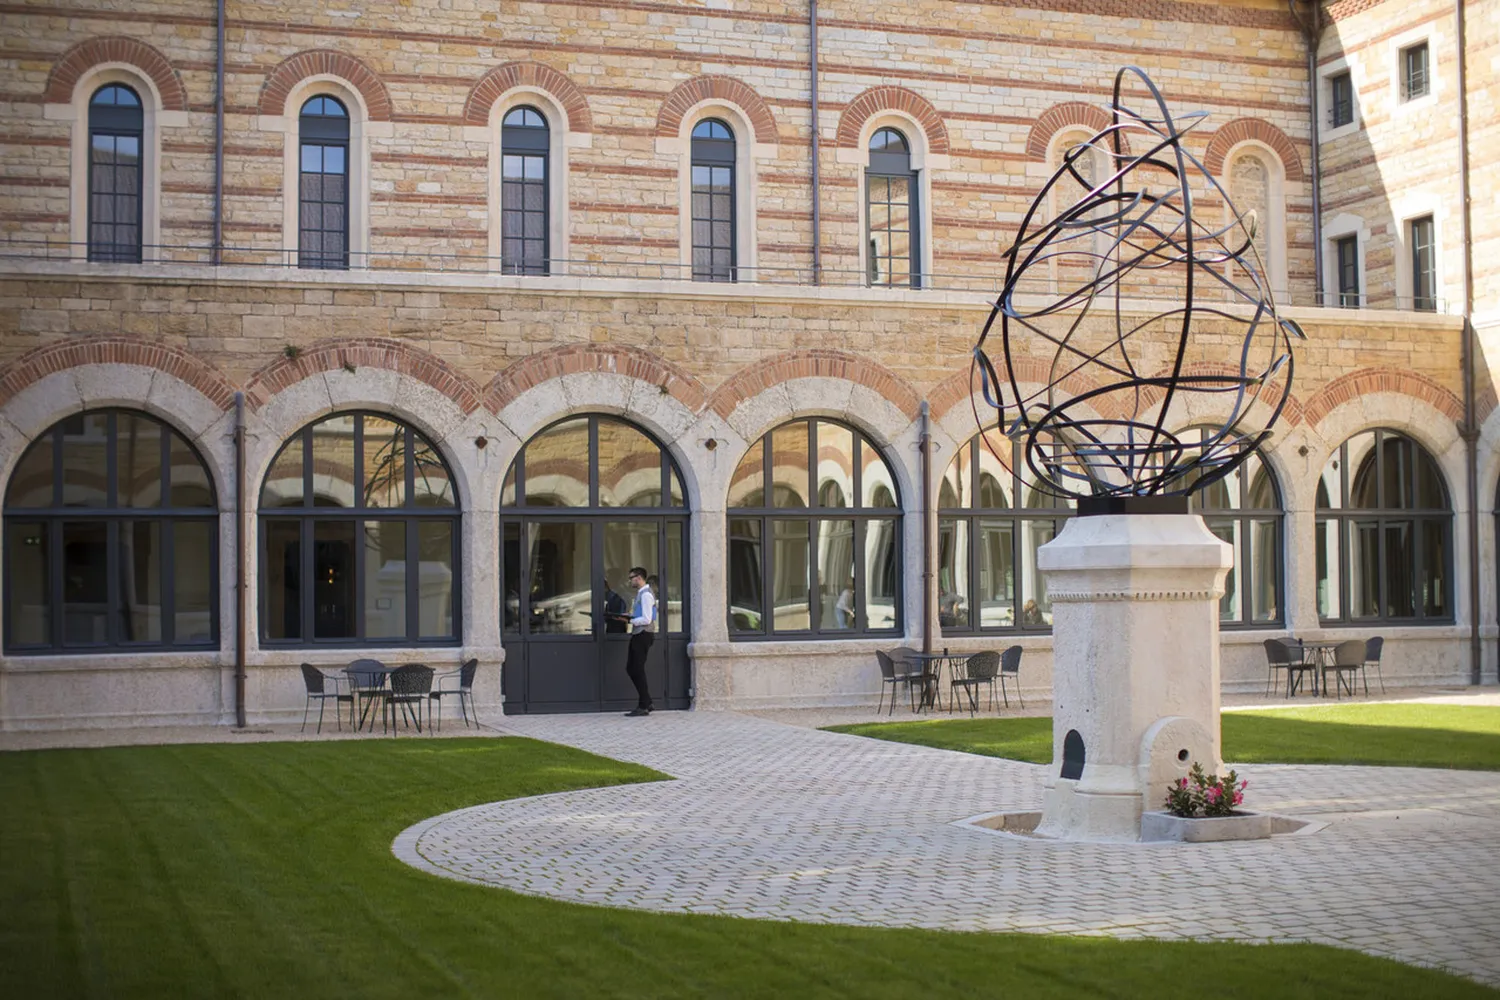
[(771, 821)]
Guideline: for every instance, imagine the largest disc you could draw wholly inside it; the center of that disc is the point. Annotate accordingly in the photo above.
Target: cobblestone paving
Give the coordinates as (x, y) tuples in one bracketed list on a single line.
[(772, 821)]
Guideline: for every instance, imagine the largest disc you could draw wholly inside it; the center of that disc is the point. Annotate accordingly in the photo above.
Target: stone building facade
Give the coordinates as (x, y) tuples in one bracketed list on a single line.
[(212, 320)]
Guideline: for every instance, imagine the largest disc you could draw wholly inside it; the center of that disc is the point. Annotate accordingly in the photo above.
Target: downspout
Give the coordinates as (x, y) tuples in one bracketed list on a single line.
[(812, 73), (240, 569), (1471, 426), (218, 248), (925, 447), (1312, 31)]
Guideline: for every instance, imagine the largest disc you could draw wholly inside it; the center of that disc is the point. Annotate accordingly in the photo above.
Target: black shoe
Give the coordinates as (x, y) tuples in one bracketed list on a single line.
[(636, 713)]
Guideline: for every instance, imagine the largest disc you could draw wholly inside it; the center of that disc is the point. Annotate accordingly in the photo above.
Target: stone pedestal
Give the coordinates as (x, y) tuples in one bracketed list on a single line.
[(1135, 605)]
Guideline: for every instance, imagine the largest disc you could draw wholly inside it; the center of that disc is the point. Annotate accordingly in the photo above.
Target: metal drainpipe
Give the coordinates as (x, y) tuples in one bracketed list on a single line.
[(240, 569), (218, 250), (1471, 429), (925, 447), (812, 73), (1312, 30)]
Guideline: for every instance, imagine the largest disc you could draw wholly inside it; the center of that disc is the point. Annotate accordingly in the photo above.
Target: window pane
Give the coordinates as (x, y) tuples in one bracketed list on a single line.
[(28, 596), (1364, 569), (385, 463), (333, 579), (432, 487), (997, 579), (957, 481), (510, 567), (333, 462), (876, 484), (85, 568), (1434, 581), (140, 581), (137, 461), (789, 448), (836, 600), (192, 581), (629, 467), (747, 486), (85, 464), (190, 486), (385, 579), (882, 574), (1264, 570), (283, 486), (435, 579), (835, 465), (745, 560), (1232, 601), (994, 479), (282, 576), (1363, 494), (1034, 534), (673, 575), (557, 466), (31, 483), (792, 582), (561, 593), (1328, 570), (1430, 492), (953, 573), (627, 544), (1400, 570)]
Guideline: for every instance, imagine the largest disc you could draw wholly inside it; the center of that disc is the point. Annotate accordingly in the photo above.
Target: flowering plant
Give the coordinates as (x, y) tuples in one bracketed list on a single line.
[(1201, 794)]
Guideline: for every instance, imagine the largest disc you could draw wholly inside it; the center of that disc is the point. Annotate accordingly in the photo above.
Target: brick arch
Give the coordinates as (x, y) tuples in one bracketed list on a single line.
[(364, 352), (112, 349), (1240, 130), (1355, 384), (84, 56), (715, 88), (1152, 395), (315, 62), (1066, 115), (817, 363), (889, 98), (488, 88), (956, 389), (571, 359)]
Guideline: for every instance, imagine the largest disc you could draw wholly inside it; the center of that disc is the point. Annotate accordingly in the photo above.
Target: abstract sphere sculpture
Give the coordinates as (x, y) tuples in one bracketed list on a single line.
[(1081, 316)]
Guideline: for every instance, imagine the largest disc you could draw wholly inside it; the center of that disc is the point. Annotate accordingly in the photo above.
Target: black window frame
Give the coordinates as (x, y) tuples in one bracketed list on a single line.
[(323, 132), (765, 517), (115, 122), (1416, 71), (114, 518), (1383, 516), (885, 166), (1346, 261), (1340, 99), (308, 514), (714, 155), (525, 143), (1421, 234)]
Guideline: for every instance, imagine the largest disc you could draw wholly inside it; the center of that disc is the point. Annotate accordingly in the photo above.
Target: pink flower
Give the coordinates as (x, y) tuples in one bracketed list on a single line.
[(1181, 782), (1238, 798), (1212, 795)]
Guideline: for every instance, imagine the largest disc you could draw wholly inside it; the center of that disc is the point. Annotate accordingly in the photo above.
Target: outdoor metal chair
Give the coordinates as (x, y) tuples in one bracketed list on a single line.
[(1276, 659), (366, 685), (1348, 657), (1373, 648), (1010, 667), (317, 684), (895, 670), (981, 668), (1288, 655), (411, 685), (462, 681)]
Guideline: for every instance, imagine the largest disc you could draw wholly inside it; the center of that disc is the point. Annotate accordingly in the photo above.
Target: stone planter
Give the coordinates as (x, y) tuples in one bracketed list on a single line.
[(1159, 826)]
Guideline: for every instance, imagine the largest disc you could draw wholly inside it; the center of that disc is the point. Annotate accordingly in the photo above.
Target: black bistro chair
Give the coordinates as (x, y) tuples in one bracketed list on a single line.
[(411, 686), (1291, 656), (1373, 648), (317, 684), (895, 670), (1348, 658), (455, 684), (366, 686), (1010, 667), (981, 668)]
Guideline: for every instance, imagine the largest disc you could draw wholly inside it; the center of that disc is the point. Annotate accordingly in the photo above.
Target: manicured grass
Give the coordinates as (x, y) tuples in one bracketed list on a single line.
[(265, 871), (1465, 737)]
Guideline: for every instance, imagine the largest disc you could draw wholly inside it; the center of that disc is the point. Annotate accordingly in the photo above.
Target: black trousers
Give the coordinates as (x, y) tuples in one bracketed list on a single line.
[(635, 666)]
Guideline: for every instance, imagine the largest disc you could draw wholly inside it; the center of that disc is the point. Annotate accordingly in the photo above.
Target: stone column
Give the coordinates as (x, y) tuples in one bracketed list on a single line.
[(1135, 605)]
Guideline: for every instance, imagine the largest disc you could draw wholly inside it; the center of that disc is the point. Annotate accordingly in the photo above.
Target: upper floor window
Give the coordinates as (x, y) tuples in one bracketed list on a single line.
[(1244, 509), (1347, 250), (814, 536), (891, 212), (111, 539), (713, 201), (1341, 99), (1416, 78), (116, 134), (524, 142), (323, 196), (1422, 240)]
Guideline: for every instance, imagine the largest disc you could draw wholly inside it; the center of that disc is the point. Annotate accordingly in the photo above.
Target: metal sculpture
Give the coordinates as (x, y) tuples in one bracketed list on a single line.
[(1117, 388)]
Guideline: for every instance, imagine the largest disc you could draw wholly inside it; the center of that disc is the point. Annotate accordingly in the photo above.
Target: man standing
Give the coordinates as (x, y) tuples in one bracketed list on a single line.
[(643, 634)]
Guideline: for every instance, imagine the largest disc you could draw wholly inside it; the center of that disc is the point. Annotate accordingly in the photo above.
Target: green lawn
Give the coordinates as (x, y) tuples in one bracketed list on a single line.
[(1465, 737), (265, 871)]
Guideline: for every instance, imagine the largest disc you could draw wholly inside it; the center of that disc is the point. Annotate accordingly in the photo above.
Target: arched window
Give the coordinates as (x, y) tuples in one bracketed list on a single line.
[(323, 214), (524, 224), (1385, 529), (991, 522), (814, 535), (1244, 509), (713, 201), (359, 537), (111, 539), (116, 136), (891, 212)]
